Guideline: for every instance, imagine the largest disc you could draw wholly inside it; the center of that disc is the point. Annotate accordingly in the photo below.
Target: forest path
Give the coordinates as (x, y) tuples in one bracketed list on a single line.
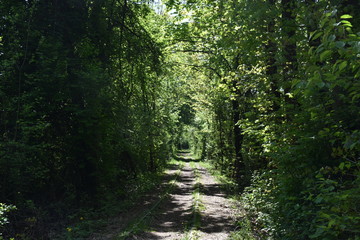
[(189, 205), (196, 208)]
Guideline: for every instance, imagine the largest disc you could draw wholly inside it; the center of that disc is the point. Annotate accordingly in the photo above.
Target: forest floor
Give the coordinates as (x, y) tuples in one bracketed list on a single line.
[(189, 205)]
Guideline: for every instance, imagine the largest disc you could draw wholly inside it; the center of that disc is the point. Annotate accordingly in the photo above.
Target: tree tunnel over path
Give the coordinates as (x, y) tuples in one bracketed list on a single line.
[(97, 98)]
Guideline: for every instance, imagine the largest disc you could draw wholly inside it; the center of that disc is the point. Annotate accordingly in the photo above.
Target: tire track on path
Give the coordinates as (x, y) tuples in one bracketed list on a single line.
[(216, 217), (173, 215)]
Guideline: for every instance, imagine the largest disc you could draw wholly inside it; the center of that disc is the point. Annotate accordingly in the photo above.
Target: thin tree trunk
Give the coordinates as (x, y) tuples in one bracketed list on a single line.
[(288, 26), (238, 140), (272, 69)]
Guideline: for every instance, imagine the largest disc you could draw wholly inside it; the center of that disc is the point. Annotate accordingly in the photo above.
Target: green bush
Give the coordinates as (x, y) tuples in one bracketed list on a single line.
[(259, 203), (336, 201), (3, 219)]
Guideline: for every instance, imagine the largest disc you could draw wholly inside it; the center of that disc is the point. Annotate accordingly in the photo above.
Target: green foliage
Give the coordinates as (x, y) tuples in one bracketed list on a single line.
[(334, 196), (85, 221), (260, 205), (4, 209), (82, 107), (282, 87), (245, 232), (266, 90)]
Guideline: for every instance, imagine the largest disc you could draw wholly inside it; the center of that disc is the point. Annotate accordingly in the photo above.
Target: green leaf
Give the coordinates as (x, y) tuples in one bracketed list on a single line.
[(346, 23), (324, 55), (318, 233), (318, 199), (342, 65), (315, 80), (331, 38), (346, 16), (339, 44), (342, 165), (332, 222), (316, 36)]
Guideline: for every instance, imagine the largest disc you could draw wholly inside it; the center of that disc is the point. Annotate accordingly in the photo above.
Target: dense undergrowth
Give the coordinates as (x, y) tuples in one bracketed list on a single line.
[(79, 223), (88, 221), (330, 210)]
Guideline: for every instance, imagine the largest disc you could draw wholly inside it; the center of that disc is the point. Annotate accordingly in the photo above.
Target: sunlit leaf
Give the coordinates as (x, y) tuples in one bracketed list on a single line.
[(346, 16)]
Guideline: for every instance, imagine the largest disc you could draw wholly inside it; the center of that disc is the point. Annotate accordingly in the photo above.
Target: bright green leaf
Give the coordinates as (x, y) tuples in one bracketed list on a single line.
[(346, 23), (346, 16)]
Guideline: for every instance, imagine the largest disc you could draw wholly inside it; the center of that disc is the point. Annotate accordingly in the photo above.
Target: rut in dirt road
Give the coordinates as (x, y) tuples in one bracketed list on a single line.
[(216, 219), (175, 212), (175, 217)]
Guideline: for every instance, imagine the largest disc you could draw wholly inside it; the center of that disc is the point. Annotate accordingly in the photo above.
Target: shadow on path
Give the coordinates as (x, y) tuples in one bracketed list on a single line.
[(174, 217), (185, 157), (175, 211)]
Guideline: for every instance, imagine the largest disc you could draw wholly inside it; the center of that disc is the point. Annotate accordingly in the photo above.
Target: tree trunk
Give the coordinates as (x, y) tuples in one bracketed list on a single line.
[(272, 69), (238, 140), (288, 26), (289, 44)]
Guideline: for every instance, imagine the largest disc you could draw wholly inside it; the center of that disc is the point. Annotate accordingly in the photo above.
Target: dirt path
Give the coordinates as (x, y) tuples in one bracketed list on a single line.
[(175, 213), (216, 221), (195, 209)]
